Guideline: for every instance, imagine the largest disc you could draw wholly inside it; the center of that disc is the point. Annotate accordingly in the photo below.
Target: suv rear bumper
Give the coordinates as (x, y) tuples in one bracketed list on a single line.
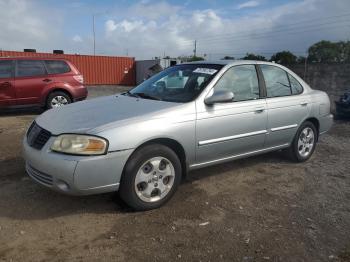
[(79, 93)]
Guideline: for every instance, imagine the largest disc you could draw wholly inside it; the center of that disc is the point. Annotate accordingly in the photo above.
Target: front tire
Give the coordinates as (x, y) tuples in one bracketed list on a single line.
[(304, 142), (151, 177)]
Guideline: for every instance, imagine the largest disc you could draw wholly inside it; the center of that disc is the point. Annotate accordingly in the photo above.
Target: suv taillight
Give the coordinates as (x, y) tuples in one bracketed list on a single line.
[(79, 78)]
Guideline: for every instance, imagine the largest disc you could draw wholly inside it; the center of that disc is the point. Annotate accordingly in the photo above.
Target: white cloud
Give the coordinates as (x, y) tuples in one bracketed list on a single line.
[(150, 28), (153, 11), (248, 4), (22, 26), (77, 39)]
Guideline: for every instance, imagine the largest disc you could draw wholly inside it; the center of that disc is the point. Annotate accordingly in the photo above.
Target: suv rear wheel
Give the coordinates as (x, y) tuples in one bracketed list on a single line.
[(57, 99)]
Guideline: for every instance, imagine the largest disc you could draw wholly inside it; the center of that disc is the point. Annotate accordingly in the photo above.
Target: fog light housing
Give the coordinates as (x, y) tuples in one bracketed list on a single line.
[(62, 185)]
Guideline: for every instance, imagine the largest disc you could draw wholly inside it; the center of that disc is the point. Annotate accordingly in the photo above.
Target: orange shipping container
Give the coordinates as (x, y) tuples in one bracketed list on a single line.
[(97, 70)]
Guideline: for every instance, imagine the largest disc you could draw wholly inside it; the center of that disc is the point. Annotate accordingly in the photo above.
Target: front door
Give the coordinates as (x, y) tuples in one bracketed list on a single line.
[(31, 79), (226, 130), (7, 87)]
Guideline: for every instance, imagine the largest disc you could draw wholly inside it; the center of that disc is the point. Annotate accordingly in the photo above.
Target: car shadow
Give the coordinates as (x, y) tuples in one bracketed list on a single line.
[(22, 198), (237, 165), (22, 111)]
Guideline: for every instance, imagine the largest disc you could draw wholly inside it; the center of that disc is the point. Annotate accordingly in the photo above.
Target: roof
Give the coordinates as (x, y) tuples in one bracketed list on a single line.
[(228, 62), (31, 58)]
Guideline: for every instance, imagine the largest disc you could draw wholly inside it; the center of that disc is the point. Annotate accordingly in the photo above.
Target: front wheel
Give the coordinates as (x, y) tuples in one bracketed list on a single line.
[(150, 178), (304, 142)]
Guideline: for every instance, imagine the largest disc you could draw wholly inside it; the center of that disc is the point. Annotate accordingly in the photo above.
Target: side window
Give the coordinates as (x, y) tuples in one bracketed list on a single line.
[(6, 69), (297, 88), (242, 80), (276, 81), (57, 67), (30, 68)]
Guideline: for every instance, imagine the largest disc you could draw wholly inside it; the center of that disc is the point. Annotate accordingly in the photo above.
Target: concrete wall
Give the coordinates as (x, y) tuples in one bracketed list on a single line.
[(331, 78)]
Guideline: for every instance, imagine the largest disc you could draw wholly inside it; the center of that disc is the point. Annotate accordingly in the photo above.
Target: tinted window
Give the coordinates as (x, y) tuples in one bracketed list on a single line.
[(242, 81), (30, 68), (56, 67), (276, 81), (6, 69), (297, 88)]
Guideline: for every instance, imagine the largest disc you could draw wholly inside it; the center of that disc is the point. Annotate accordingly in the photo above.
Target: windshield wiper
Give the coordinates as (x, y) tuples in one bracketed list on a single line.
[(146, 96), (128, 93)]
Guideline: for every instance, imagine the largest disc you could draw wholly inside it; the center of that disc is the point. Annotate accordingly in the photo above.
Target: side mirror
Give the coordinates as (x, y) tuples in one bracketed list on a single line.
[(219, 96), (161, 84)]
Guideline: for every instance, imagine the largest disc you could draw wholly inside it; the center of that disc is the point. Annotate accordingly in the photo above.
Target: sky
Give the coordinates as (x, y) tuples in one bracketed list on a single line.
[(155, 28)]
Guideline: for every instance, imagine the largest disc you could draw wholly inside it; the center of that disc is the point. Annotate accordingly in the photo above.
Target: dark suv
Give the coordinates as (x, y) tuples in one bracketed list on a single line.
[(37, 81)]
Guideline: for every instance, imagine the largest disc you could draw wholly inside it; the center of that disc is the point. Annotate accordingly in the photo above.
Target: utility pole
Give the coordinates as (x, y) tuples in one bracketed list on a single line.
[(93, 32), (195, 48), (305, 66)]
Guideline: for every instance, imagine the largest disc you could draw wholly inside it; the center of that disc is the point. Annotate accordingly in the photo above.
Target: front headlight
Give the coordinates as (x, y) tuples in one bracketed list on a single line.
[(80, 145)]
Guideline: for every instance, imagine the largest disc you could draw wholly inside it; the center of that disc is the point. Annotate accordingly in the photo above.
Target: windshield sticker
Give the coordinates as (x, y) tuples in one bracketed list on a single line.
[(208, 71)]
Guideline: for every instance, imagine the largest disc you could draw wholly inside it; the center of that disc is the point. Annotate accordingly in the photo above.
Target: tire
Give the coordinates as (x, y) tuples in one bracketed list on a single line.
[(157, 168), (59, 98), (302, 142)]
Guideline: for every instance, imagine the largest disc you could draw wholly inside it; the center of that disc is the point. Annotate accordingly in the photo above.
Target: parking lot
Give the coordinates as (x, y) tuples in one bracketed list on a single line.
[(263, 208)]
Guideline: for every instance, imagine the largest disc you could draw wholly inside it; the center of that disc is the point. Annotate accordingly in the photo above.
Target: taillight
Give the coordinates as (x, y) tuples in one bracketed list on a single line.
[(79, 78)]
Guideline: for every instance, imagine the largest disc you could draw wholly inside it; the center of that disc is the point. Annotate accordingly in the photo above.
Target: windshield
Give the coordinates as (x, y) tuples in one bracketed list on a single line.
[(181, 83)]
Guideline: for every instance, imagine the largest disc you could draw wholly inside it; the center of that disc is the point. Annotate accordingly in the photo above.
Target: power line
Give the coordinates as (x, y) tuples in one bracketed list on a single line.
[(274, 32), (277, 27)]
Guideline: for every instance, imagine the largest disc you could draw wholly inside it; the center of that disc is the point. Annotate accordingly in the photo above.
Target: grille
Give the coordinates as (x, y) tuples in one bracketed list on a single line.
[(37, 136), (39, 176)]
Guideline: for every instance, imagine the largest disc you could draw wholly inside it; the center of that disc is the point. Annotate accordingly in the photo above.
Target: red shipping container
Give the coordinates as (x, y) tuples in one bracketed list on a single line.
[(97, 70)]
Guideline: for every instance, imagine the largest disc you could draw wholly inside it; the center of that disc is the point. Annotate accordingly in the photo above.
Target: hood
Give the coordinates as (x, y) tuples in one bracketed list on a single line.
[(85, 116)]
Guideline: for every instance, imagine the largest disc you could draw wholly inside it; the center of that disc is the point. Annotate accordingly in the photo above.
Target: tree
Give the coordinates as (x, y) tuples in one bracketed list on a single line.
[(327, 52), (228, 58), (251, 56), (301, 59), (284, 57)]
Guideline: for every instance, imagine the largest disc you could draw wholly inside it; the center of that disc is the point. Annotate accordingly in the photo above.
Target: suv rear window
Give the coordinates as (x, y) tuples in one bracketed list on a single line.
[(30, 68), (6, 69), (57, 67)]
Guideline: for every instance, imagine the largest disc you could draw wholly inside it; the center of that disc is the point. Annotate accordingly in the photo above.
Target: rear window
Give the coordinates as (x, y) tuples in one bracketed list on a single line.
[(6, 69), (57, 67), (30, 68)]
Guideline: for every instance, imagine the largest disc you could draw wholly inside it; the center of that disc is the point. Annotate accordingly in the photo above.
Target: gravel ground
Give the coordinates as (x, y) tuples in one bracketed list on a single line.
[(263, 208)]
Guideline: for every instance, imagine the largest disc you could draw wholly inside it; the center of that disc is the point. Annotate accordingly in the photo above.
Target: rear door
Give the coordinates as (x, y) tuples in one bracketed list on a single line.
[(7, 87), (286, 105), (31, 79)]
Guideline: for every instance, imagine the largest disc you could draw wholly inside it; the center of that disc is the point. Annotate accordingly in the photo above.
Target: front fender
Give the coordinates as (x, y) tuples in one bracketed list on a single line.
[(132, 136)]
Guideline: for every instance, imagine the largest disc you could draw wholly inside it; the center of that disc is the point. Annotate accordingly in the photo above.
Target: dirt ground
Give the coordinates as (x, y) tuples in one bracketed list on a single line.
[(263, 208)]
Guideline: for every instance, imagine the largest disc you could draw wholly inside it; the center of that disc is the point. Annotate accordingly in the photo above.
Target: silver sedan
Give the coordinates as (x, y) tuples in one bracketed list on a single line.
[(143, 142)]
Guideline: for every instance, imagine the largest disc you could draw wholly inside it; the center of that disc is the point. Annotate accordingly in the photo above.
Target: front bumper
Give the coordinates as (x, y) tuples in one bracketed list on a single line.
[(75, 175)]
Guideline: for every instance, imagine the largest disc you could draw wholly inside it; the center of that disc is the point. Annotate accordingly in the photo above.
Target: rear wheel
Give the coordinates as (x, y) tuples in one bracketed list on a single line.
[(58, 99), (151, 177), (304, 142)]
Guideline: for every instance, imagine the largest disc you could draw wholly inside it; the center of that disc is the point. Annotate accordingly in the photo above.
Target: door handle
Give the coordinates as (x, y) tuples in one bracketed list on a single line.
[(259, 110), (5, 84), (47, 80), (303, 103)]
